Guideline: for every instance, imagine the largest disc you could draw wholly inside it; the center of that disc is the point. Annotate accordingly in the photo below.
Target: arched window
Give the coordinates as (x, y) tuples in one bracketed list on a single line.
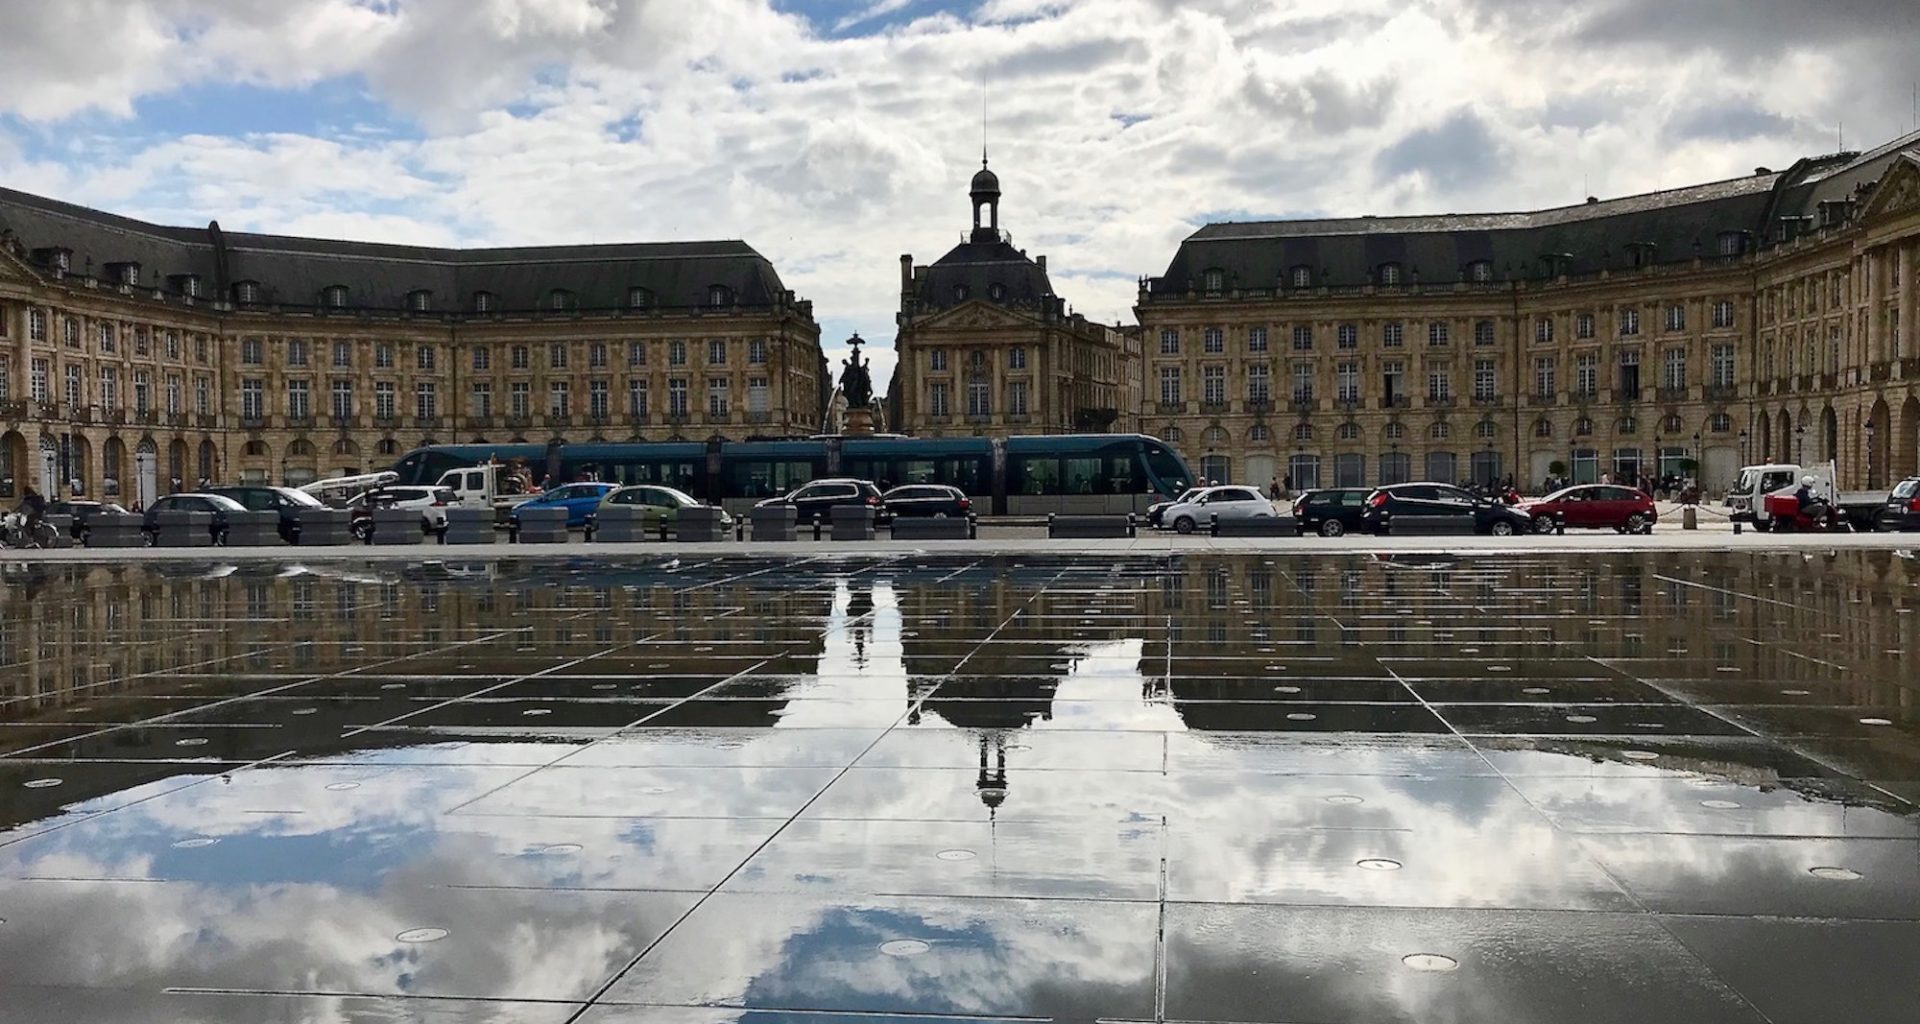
[(1439, 431), (1627, 425), (1485, 430), (1543, 427), (1671, 425), (1303, 432), (1390, 275), (1348, 432), (1171, 435), (345, 446), (1259, 434), (387, 446), (300, 448), (255, 449), (1396, 431), (1721, 423), (1213, 437), (1582, 427)]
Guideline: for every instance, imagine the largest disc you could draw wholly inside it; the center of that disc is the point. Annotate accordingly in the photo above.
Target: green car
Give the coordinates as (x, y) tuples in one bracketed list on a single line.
[(659, 504)]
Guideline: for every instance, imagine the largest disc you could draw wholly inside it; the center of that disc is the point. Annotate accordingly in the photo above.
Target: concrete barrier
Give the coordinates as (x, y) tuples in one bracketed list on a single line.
[(1090, 527), (775, 523), (396, 526), (916, 528), (62, 530), (1262, 526), (699, 525), (183, 529), (852, 522), (253, 529), (620, 524), (324, 527), (542, 526), (469, 526), (108, 531)]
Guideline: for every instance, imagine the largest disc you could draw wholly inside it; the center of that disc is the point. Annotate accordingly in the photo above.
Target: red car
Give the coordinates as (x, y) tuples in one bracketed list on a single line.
[(1594, 507)]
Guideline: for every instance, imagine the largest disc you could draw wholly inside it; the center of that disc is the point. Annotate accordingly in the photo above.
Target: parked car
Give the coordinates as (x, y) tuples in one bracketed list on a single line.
[(82, 512), (1903, 506), (1440, 508), (1332, 512), (1594, 507), (657, 504), (287, 501), (1157, 511), (431, 501), (1222, 502), (927, 501), (816, 500), (578, 499), (220, 505)]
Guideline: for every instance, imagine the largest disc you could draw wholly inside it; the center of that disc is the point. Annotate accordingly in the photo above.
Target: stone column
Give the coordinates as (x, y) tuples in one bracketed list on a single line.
[(1909, 298), (1875, 343)]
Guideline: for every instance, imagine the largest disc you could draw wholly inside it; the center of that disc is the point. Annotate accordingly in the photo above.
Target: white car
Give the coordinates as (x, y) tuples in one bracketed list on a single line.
[(431, 501), (1198, 511)]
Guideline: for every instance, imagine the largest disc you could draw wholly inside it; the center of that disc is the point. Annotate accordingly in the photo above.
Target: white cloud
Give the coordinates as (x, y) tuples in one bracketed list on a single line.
[(1116, 125)]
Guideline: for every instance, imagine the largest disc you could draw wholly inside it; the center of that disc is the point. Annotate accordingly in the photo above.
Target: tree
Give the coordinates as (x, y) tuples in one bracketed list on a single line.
[(1557, 468)]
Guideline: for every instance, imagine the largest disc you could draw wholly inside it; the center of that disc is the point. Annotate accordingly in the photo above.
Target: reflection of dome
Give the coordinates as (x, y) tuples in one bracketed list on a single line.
[(993, 794), (985, 182)]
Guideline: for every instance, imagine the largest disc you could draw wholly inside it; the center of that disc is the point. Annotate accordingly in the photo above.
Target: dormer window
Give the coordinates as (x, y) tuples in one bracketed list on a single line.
[(57, 260), (1301, 276), (997, 292), (124, 273), (1480, 271), (1215, 281), (639, 298), (186, 284), (483, 302), (420, 300), (334, 296), (1732, 243), (960, 292), (246, 293), (719, 295), (560, 300), (1390, 275)]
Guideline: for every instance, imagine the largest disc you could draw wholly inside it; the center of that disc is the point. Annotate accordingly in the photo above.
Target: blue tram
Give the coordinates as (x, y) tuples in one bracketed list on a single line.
[(1073, 473)]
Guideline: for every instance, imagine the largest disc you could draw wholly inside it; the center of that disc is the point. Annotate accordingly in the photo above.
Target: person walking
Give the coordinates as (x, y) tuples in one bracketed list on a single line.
[(1273, 490), (1286, 486)]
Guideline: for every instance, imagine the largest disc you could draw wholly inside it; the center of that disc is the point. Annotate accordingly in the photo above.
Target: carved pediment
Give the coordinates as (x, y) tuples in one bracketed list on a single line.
[(976, 316), (1898, 190)]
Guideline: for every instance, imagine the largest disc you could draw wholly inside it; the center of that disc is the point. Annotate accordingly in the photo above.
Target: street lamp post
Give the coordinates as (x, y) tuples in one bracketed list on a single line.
[(1871, 482), (1800, 444), (1743, 448)]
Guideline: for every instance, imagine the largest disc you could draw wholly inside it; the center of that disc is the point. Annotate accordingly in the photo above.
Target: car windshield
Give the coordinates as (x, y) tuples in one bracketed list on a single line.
[(1906, 488), (1745, 485), (301, 498)]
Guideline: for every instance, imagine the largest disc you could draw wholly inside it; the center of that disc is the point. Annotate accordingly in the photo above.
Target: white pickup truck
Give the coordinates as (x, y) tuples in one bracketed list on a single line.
[(487, 486), (1746, 502)]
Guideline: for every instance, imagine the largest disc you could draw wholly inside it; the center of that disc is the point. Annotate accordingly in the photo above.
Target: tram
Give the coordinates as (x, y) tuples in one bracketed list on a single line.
[(1018, 476)]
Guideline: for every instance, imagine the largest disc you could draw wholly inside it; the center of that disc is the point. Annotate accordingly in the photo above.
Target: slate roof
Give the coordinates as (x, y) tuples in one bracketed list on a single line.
[(977, 267), (1437, 249), (293, 271)]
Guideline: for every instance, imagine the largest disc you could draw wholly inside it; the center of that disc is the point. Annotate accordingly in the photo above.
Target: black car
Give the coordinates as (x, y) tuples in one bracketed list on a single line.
[(217, 504), (1158, 510), (816, 500), (927, 501), (262, 498), (1439, 508), (1332, 512), (1903, 506), (82, 512)]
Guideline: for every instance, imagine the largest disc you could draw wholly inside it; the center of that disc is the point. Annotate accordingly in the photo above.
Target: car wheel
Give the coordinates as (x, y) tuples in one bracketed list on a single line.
[(1502, 528), (1184, 524), (1333, 528), (1761, 527), (1542, 524), (1637, 523)]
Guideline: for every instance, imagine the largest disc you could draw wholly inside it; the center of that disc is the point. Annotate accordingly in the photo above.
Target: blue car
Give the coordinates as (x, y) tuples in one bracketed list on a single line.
[(578, 499)]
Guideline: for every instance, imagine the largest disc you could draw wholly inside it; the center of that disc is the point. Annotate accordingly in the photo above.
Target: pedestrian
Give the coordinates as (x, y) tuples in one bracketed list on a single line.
[(1606, 478), (1273, 490), (1286, 486)]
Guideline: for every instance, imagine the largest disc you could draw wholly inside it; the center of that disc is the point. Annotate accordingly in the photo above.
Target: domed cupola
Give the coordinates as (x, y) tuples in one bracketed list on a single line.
[(986, 193)]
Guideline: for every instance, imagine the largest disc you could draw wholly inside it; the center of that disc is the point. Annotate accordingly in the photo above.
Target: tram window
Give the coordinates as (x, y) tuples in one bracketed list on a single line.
[(757, 479), (1033, 475)]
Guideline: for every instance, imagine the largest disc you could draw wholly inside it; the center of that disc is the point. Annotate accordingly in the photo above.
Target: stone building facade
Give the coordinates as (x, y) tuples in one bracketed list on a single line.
[(985, 347), (136, 358), (1698, 329)]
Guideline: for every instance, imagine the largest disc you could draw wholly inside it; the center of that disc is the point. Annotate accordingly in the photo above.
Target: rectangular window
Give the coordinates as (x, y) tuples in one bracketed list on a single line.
[(342, 399), (520, 399), (979, 399), (939, 399), (1017, 357), (1017, 398), (175, 394), (1722, 366), (6, 375), (296, 351), (37, 384), (597, 356), (480, 400), (758, 395), (636, 353), (383, 400), (1629, 322), (1543, 330), (382, 356), (426, 400), (559, 400), (718, 399), (1348, 336), (1256, 339), (1213, 340), (172, 347), (1393, 375), (482, 358), (937, 360), (1393, 335), (1583, 326), (1169, 342), (105, 337), (36, 325), (1586, 374), (716, 352), (1259, 384), (1303, 382), (203, 396), (1213, 385), (343, 356), (200, 348), (70, 332), (557, 356), (1439, 385), (1676, 318), (1346, 381), (1303, 338), (637, 399), (1170, 385), (756, 351), (74, 397), (252, 352), (299, 399), (597, 400), (253, 398), (143, 393), (1673, 368), (1544, 383), (1483, 333), (109, 389), (1723, 314), (1483, 381), (677, 397), (676, 353), (1438, 334)]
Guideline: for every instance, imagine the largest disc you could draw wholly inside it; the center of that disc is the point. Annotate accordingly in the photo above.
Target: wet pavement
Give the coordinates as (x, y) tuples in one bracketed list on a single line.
[(1299, 789)]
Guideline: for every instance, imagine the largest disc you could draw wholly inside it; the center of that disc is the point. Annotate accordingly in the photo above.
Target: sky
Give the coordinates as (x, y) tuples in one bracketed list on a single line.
[(835, 135)]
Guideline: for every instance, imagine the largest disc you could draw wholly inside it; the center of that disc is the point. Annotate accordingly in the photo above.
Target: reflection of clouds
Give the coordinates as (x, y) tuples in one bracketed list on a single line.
[(861, 660), (1693, 806)]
